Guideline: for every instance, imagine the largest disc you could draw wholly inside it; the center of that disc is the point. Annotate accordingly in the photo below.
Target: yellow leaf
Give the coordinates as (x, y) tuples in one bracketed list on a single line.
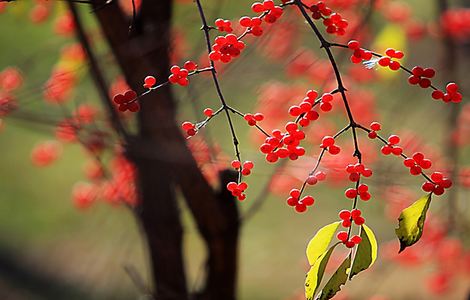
[(411, 222), (320, 242), (366, 253), (315, 274)]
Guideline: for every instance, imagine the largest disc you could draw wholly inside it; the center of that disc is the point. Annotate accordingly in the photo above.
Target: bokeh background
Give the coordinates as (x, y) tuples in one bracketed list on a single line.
[(50, 249)]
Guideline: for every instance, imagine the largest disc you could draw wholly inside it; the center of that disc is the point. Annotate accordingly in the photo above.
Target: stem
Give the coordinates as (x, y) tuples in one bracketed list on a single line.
[(342, 90), (215, 79)]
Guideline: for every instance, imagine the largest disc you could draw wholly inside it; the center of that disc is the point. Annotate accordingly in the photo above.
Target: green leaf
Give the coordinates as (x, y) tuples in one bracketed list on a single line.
[(411, 222), (315, 274), (366, 253), (338, 279), (320, 242)]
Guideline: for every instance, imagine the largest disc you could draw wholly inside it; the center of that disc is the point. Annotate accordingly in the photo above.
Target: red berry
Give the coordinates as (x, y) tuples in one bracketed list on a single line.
[(342, 236), (351, 193), (345, 215), (356, 239), (150, 81), (208, 112)]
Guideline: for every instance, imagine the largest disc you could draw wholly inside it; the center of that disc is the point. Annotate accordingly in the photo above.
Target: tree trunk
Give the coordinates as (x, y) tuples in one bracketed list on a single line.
[(164, 162)]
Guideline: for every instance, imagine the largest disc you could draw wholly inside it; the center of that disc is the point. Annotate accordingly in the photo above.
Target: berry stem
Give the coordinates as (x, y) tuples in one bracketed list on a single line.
[(215, 79), (342, 90), (385, 142)]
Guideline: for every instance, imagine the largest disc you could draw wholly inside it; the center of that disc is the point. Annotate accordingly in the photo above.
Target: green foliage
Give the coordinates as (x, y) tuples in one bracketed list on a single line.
[(366, 253), (411, 222), (320, 242), (338, 279)]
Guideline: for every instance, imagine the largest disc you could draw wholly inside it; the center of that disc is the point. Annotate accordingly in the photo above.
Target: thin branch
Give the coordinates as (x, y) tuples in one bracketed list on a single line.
[(96, 73)]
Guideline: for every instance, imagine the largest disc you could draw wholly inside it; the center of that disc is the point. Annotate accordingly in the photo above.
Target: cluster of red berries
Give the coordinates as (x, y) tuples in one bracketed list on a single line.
[(392, 146), (149, 82), (355, 171), (284, 145), (305, 109), (333, 22), (343, 237), (300, 205), (180, 75), (374, 126), (225, 48), (421, 76), (127, 101), (251, 119), (238, 190), (245, 169), (190, 128), (359, 53), (417, 163), (318, 176), (439, 184), (223, 25), (271, 12), (387, 61), (362, 191), (254, 25), (452, 94), (351, 216), (328, 143)]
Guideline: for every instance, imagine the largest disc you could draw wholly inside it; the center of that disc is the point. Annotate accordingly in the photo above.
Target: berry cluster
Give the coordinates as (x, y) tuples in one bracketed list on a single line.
[(225, 48), (251, 119), (223, 25), (180, 75), (245, 169), (238, 190), (190, 128), (343, 237), (421, 76), (318, 176), (305, 110), (351, 216), (284, 145), (271, 12), (439, 184), (417, 163), (328, 143), (374, 126), (452, 94), (362, 191), (254, 25), (355, 171), (388, 61), (359, 53), (300, 205), (333, 22), (392, 146), (127, 101)]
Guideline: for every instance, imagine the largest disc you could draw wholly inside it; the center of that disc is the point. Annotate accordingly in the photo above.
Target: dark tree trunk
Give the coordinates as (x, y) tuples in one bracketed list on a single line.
[(164, 162)]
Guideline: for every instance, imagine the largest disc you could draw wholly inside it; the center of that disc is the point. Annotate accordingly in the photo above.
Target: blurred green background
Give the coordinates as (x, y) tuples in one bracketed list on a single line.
[(50, 250)]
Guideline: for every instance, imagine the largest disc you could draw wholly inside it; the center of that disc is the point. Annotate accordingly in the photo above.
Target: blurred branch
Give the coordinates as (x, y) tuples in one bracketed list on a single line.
[(449, 69), (96, 73)]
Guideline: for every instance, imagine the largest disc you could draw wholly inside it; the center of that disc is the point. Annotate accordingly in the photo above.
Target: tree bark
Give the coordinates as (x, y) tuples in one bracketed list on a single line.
[(164, 162)]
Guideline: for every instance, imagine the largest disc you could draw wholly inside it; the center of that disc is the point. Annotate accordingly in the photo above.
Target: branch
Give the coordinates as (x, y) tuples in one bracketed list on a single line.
[(96, 73)]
